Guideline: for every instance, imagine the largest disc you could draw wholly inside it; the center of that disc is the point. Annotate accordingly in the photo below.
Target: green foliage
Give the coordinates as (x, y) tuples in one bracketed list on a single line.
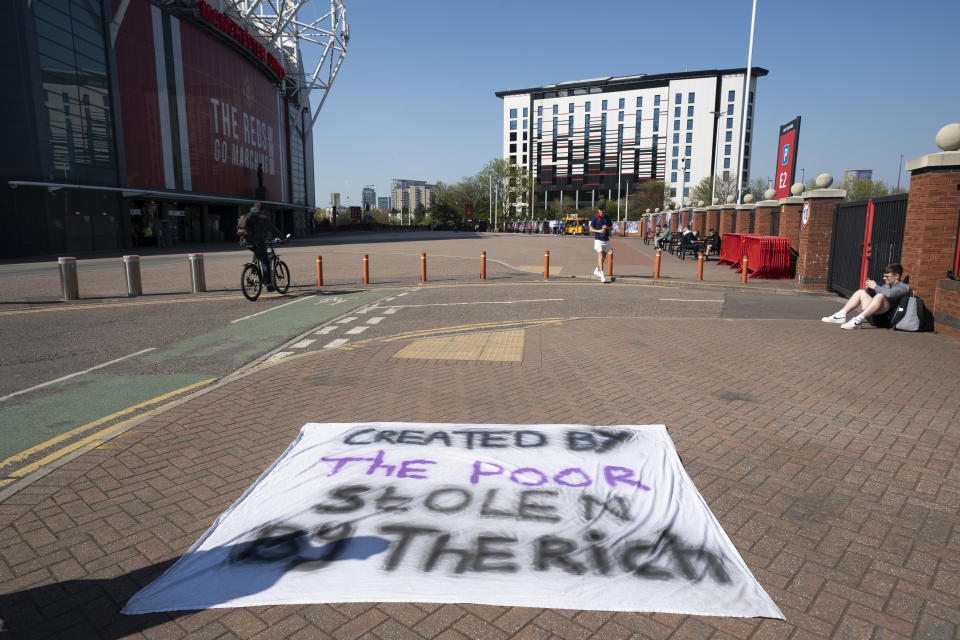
[(703, 189), (648, 194), (864, 189)]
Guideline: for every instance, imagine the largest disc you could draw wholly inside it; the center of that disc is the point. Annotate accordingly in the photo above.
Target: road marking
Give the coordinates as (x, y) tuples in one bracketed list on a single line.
[(346, 320), (376, 320), (481, 326), (357, 330), (280, 355), (325, 331), (269, 310), (391, 310), (23, 471), (73, 375), (335, 343), (111, 305), (399, 295), (303, 344), (454, 304), (686, 300)]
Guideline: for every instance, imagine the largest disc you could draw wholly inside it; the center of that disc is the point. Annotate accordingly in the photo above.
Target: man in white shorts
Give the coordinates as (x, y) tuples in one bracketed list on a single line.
[(601, 224)]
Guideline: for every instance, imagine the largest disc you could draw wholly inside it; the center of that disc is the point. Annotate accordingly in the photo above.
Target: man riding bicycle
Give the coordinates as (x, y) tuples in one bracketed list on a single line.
[(260, 229)]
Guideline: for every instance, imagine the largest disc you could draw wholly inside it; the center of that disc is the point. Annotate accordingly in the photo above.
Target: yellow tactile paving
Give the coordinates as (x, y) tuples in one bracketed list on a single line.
[(554, 270), (500, 346)]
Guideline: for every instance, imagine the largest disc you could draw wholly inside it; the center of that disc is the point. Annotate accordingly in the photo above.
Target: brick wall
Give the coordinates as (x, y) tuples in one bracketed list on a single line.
[(727, 217), (744, 221), (674, 221), (790, 224), (763, 220), (946, 314), (930, 230), (813, 259), (713, 220), (700, 222)]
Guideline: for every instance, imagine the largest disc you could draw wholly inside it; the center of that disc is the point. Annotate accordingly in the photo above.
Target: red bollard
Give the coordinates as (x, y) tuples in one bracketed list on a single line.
[(366, 269), (483, 265), (319, 271), (546, 265), (743, 274), (699, 266), (656, 266), (423, 267), (610, 263)]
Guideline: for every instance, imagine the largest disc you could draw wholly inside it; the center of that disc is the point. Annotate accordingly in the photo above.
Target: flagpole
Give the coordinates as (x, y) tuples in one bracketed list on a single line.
[(743, 110)]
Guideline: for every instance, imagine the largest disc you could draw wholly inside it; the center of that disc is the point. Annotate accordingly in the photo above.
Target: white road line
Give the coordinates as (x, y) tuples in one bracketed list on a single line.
[(686, 300), (335, 343), (393, 298), (390, 310), (78, 373), (357, 330), (279, 355), (399, 295), (303, 344), (376, 320), (273, 309), (325, 330), (346, 320), (454, 304)]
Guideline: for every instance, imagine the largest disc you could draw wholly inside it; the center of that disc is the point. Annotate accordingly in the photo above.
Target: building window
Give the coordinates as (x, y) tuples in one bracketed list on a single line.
[(678, 98), (749, 123), (731, 96), (513, 113), (586, 126), (620, 117), (513, 148), (726, 164), (513, 137), (524, 124), (676, 152), (690, 97), (619, 135), (554, 127), (673, 191), (656, 101), (513, 125), (726, 149), (539, 128), (730, 109), (686, 178), (570, 108), (726, 175), (620, 103), (524, 112), (729, 123), (676, 138), (587, 107), (749, 110), (676, 125), (729, 136), (603, 122), (746, 163), (524, 159), (524, 148), (686, 190), (690, 111), (639, 101), (674, 164), (556, 109), (656, 119), (603, 105), (673, 176), (686, 164), (540, 110), (676, 112), (636, 134), (751, 97), (655, 144), (689, 124), (689, 138), (686, 150), (569, 125)]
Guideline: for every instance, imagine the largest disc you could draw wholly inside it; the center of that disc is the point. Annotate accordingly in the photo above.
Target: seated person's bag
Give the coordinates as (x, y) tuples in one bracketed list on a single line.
[(912, 315)]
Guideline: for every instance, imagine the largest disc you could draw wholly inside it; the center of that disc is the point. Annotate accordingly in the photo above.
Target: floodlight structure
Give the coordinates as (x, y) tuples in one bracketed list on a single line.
[(284, 23)]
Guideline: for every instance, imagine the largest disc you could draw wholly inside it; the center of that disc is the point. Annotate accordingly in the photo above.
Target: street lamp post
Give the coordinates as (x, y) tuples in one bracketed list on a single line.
[(716, 149), (745, 105)]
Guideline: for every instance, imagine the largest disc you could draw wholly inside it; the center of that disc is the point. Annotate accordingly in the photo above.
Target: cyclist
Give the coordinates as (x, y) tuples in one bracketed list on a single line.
[(261, 229)]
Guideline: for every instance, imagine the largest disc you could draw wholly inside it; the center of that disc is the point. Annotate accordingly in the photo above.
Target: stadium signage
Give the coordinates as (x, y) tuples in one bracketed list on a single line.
[(225, 24)]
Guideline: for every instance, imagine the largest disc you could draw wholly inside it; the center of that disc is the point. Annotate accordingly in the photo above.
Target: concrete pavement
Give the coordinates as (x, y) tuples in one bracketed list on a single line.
[(828, 456)]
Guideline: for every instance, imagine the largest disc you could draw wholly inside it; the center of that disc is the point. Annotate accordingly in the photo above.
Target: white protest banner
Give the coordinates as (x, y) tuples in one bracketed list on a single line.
[(565, 516)]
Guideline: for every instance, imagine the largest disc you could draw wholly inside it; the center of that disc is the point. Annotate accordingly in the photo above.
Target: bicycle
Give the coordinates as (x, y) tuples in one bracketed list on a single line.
[(251, 279)]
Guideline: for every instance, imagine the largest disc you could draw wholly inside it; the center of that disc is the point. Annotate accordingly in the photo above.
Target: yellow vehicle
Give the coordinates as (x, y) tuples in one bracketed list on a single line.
[(576, 226)]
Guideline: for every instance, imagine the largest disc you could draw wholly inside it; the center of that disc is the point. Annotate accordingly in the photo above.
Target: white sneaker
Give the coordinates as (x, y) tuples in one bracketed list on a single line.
[(834, 319), (603, 278), (597, 271), (853, 324)]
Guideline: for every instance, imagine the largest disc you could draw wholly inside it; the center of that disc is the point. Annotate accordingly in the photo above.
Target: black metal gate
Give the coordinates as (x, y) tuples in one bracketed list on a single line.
[(886, 217)]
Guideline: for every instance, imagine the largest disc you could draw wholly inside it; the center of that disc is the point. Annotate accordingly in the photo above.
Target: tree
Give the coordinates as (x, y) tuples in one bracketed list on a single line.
[(757, 187), (724, 187), (648, 194), (513, 183), (863, 189)]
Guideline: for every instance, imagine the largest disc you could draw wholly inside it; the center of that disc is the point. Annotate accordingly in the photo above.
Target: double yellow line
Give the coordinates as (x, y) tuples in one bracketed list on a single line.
[(100, 436)]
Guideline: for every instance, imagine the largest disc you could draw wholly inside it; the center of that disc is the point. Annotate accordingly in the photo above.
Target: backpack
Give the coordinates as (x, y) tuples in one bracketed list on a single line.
[(244, 229), (912, 315)]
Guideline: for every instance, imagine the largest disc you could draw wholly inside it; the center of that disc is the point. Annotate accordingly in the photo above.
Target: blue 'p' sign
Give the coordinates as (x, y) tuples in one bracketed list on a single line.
[(786, 154)]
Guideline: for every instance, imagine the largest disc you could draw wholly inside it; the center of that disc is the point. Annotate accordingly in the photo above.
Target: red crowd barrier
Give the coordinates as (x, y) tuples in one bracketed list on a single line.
[(731, 248), (768, 256)]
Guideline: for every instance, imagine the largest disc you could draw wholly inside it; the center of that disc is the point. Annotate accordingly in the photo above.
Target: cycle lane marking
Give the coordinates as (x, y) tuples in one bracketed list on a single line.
[(78, 373), (280, 306)]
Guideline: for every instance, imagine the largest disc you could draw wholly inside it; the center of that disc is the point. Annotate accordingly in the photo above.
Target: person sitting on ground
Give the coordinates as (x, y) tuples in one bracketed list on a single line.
[(878, 302), (712, 244)]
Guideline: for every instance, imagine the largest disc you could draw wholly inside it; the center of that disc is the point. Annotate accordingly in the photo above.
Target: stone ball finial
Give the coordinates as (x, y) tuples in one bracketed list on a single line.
[(824, 180), (797, 188), (648, 210), (948, 138), (699, 203), (748, 198), (657, 210), (769, 194), (731, 198), (716, 201)]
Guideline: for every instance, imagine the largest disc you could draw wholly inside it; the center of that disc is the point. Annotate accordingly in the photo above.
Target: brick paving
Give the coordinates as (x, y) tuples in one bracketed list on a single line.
[(832, 464)]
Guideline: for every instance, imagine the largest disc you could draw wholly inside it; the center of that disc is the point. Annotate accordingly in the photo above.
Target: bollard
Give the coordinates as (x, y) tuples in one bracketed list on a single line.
[(131, 268), (699, 266), (483, 265), (366, 269), (546, 265), (198, 281), (743, 274), (319, 271), (423, 267), (610, 263), (68, 278), (656, 265)]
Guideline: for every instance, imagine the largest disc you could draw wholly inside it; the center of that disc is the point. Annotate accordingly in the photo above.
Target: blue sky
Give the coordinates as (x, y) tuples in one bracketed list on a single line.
[(415, 95)]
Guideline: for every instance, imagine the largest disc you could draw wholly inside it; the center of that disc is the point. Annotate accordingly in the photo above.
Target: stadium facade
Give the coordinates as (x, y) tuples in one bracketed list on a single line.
[(141, 122), (679, 128)]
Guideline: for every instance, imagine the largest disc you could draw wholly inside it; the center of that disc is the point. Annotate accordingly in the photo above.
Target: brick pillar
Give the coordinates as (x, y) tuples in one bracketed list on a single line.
[(930, 229), (700, 221), (790, 210), (674, 220), (713, 218), (744, 221), (727, 216), (813, 251), (763, 217)]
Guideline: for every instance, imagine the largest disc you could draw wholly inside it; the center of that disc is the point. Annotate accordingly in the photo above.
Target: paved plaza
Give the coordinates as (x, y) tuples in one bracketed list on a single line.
[(829, 457)]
